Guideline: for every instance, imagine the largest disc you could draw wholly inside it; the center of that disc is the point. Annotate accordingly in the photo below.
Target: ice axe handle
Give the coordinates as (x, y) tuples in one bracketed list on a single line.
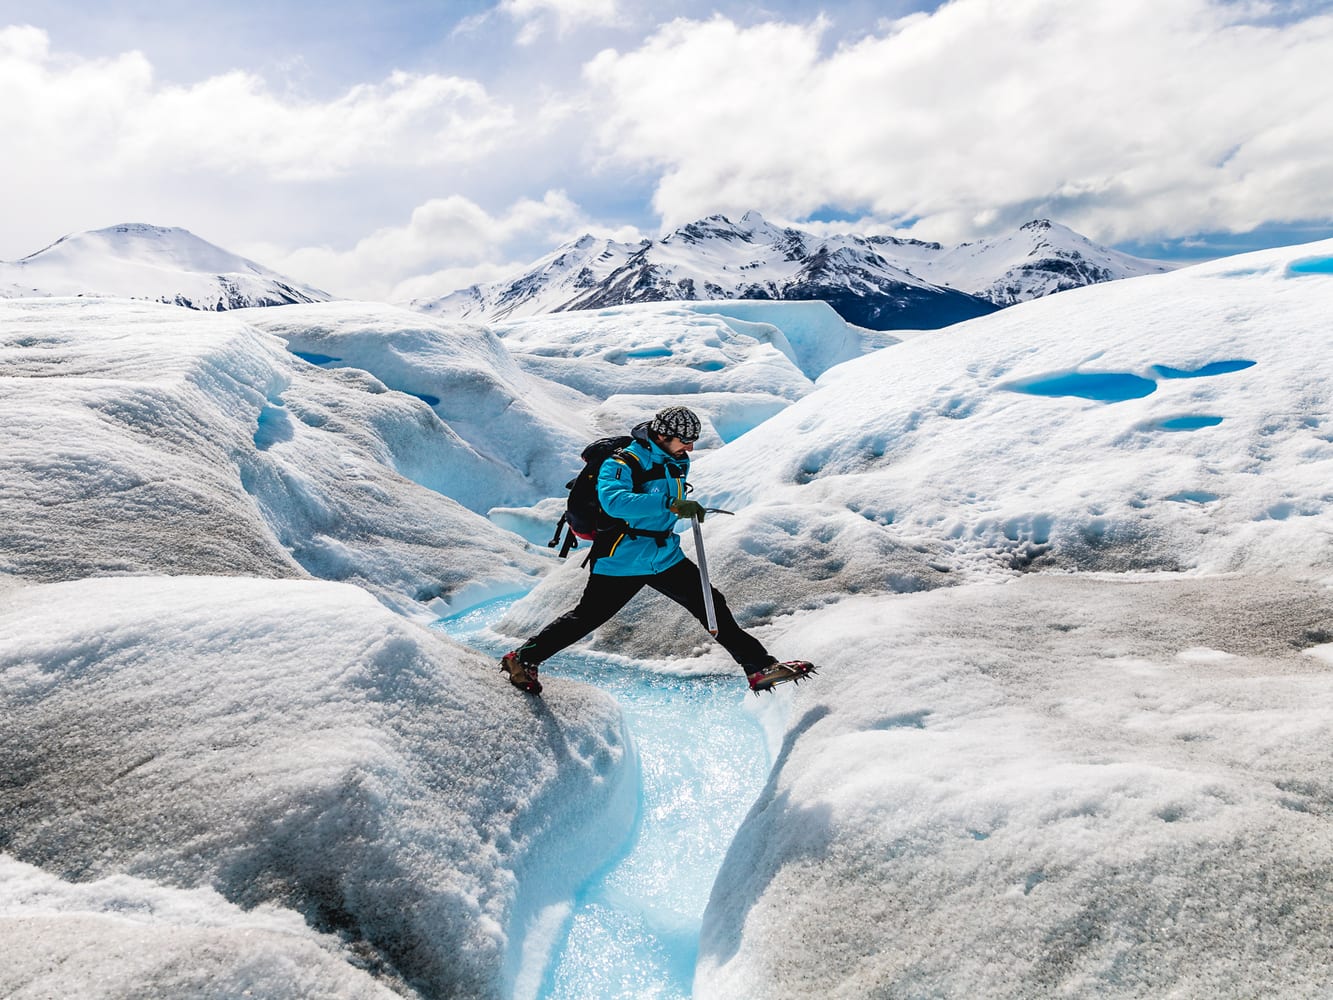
[(703, 575)]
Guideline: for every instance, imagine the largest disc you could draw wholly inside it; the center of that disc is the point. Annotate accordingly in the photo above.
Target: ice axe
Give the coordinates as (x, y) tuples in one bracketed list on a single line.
[(703, 567)]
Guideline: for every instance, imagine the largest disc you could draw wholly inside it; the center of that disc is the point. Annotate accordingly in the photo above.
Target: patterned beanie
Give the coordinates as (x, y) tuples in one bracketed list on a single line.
[(678, 422)]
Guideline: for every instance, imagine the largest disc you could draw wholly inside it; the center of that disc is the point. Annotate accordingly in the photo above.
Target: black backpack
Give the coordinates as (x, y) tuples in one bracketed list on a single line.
[(583, 516)]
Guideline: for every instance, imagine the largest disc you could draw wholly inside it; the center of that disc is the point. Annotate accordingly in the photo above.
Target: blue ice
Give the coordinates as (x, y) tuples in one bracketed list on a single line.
[(1190, 423), (634, 931), (1314, 265), (1212, 368), (426, 398), (734, 421), (316, 359), (275, 426), (1106, 387)]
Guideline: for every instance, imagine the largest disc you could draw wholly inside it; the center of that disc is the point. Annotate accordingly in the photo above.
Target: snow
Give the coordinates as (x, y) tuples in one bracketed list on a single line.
[(1035, 790), (152, 439), (1040, 258), (655, 352), (164, 264), (937, 438), (292, 746), (1070, 734), (717, 259), (513, 437), (142, 935)]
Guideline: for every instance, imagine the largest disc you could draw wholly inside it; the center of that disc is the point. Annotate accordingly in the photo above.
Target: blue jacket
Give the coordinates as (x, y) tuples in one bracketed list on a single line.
[(648, 509)]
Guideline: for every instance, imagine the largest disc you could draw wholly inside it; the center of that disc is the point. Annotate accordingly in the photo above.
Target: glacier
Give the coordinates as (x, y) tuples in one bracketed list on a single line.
[(1070, 736)]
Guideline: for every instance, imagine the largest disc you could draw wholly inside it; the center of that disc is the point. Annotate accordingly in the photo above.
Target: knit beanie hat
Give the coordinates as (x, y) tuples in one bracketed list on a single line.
[(678, 422)]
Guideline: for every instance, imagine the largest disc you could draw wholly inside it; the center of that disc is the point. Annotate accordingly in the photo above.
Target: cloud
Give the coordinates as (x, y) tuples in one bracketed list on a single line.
[(1123, 118), (534, 16), (111, 114), (447, 244)]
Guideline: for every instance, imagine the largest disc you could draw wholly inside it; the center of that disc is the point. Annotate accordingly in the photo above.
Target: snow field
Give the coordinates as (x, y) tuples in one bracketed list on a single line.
[(1076, 783), (153, 439), (122, 427), (1072, 786), (128, 935), (510, 437), (931, 437), (291, 744), (657, 350)]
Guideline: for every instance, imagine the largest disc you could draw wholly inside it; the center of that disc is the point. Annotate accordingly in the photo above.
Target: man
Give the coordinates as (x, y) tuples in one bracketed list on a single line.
[(644, 551)]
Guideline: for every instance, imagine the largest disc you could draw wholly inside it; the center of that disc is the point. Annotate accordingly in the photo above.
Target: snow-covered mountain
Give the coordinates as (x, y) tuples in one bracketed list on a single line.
[(1041, 258), (161, 264), (878, 282)]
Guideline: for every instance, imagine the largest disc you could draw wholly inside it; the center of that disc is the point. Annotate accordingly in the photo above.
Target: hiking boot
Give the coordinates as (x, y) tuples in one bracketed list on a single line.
[(522, 675), (765, 677)]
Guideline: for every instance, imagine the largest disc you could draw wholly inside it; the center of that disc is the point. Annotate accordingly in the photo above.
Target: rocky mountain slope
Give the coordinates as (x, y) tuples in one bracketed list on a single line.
[(878, 282)]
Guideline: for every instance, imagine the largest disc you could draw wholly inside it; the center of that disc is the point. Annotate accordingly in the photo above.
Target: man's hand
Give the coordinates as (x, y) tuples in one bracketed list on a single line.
[(687, 508)]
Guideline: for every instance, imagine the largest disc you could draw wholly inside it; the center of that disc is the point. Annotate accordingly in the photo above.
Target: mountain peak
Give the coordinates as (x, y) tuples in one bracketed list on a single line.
[(879, 282), (161, 263)]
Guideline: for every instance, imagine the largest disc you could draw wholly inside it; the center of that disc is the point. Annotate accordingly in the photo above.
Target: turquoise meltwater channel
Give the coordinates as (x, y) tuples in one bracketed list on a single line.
[(634, 931)]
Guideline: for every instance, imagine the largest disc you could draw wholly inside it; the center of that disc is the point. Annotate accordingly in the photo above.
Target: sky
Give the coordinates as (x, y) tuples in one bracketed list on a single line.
[(405, 149)]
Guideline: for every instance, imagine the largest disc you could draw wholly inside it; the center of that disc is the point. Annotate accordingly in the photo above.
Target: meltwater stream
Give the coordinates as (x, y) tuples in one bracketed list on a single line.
[(634, 932)]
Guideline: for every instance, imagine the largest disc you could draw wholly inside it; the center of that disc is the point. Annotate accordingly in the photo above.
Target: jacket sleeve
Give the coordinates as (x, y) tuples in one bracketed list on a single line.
[(615, 490)]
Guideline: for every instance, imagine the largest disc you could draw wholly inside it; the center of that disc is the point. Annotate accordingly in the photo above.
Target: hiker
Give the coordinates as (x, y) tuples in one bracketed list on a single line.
[(641, 488)]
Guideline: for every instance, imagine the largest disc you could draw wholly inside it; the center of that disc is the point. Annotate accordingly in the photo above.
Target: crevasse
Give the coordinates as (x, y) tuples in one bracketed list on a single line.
[(632, 930)]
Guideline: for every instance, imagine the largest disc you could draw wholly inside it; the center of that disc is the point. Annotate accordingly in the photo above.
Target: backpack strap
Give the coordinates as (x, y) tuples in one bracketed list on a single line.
[(640, 477), (571, 542), (555, 539)]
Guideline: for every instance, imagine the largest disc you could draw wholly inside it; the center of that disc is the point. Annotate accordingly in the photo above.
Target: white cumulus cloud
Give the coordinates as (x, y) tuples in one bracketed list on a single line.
[(1121, 118), (85, 135), (447, 244), (112, 111)]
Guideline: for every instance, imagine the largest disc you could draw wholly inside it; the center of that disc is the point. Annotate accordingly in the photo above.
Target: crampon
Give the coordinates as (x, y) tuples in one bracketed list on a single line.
[(522, 675), (780, 673)]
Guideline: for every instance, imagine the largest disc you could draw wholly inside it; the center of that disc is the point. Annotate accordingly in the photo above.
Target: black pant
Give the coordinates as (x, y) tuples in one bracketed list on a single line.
[(606, 595)]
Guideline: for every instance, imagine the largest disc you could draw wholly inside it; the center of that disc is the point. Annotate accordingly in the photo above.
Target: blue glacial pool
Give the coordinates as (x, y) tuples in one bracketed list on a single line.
[(1314, 265), (634, 931), (1210, 369), (1106, 387), (1116, 387), (316, 359), (1189, 423)]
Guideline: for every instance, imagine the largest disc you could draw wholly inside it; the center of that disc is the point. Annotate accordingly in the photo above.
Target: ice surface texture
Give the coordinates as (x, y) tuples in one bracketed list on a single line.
[(153, 439), (1065, 786), (284, 744), (1062, 782), (926, 436)]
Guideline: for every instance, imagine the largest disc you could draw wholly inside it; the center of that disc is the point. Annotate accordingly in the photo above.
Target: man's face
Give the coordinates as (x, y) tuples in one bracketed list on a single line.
[(676, 447)]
